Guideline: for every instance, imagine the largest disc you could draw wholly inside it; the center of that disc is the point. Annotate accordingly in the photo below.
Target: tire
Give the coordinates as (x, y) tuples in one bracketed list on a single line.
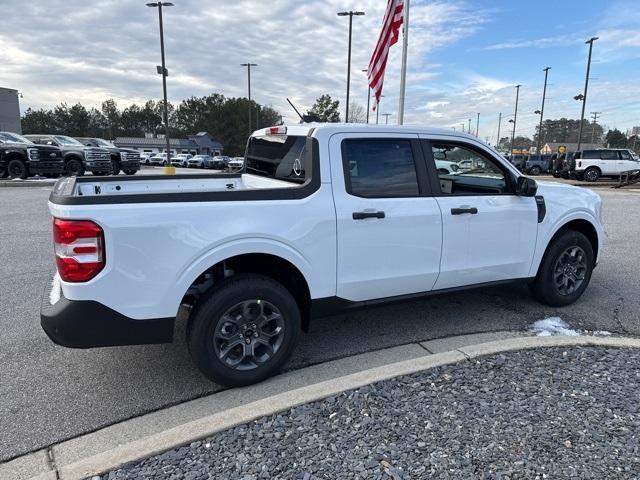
[(207, 338), (115, 167), (546, 288), (18, 169), (74, 168), (101, 174), (535, 171), (591, 174), (130, 172)]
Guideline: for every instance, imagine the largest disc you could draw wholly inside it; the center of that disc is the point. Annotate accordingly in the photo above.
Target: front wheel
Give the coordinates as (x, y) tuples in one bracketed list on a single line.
[(535, 171), (565, 270), (130, 172), (244, 330), (75, 168), (18, 169), (591, 174)]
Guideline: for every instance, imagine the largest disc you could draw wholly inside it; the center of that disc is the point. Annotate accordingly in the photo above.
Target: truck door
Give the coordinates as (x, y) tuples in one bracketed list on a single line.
[(489, 233), (389, 227)]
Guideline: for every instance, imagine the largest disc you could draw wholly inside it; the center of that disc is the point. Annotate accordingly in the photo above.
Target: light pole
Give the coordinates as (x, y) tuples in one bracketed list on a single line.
[(515, 118), (499, 124), (378, 109), (478, 126), (583, 97), (350, 14), (386, 120), (593, 125), (469, 128), (366, 71), (541, 111), (249, 65), (462, 127), (168, 169)]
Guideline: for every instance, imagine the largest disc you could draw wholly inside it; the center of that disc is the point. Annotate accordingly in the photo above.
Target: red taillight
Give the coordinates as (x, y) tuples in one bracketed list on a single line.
[(276, 130), (79, 249)]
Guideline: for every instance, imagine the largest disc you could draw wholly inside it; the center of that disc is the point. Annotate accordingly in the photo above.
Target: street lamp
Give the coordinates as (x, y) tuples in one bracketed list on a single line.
[(378, 109), (249, 65), (515, 118), (162, 70), (583, 97), (366, 71), (350, 14), (386, 120), (541, 111)]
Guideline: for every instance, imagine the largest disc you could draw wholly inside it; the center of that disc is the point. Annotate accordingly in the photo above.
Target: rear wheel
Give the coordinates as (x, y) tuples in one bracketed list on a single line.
[(591, 174), (130, 172), (535, 171), (565, 270), (244, 330), (18, 169), (75, 168)]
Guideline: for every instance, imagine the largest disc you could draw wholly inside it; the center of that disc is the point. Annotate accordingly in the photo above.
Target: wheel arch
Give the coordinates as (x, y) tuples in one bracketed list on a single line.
[(581, 225), (282, 266)]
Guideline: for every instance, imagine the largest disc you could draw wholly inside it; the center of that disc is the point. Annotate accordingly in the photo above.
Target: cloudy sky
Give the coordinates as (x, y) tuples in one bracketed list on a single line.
[(465, 56)]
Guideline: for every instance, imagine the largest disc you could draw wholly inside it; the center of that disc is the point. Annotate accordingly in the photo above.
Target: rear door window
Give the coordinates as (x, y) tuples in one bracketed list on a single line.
[(380, 168), (609, 155)]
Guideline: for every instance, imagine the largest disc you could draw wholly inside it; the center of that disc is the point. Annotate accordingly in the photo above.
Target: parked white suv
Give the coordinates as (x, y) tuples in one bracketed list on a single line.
[(324, 218), (594, 164)]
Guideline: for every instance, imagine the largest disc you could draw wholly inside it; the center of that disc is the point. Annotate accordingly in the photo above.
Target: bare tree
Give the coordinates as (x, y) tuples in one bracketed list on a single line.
[(357, 113)]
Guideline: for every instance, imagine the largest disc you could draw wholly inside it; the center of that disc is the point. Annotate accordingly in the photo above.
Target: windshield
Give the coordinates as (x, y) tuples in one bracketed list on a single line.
[(7, 137), (64, 140), (277, 156), (104, 143)]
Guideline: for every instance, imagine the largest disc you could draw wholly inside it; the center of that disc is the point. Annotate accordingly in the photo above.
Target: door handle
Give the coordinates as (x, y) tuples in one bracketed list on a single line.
[(363, 215), (463, 210)]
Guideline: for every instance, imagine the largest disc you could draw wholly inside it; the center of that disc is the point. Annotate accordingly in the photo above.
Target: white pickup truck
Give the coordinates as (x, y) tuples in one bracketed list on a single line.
[(323, 218)]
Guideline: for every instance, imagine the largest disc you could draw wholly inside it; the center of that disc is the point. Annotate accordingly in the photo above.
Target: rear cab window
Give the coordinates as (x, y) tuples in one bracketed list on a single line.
[(280, 157)]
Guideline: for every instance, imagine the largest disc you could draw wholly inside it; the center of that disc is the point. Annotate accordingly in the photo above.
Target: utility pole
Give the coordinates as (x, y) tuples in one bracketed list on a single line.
[(469, 129), (544, 94), (350, 14), (168, 169), (462, 127), (478, 126), (499, 125), (593, 125), (366, 70), (515, 118), (249, 65), (586, 86)]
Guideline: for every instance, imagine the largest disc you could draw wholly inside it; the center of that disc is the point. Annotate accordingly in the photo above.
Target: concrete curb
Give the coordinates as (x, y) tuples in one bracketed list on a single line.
[(26, 183), (464, 349)]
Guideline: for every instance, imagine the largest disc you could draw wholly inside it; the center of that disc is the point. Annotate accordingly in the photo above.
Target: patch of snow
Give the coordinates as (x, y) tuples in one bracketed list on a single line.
[(602, 333), (56, 290), (553, 326)]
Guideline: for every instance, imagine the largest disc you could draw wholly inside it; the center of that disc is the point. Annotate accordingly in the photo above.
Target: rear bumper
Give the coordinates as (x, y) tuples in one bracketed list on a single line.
[(87, 324)]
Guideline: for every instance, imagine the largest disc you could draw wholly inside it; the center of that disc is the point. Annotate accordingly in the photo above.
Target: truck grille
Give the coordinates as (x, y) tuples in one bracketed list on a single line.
[(97, 156), (130, 156)]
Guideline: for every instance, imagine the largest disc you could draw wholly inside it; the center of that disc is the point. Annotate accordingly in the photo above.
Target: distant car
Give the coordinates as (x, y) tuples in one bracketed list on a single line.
[(145, 158), (124, 159), (181, 160), (518, 161), (236, 163), (447, 168), (159, 159), (220, 162), (537, 164), (199, 161), (605, 162)]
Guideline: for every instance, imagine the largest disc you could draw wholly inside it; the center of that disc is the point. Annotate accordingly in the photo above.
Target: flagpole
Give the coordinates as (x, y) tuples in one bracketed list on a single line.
[(403, 73)]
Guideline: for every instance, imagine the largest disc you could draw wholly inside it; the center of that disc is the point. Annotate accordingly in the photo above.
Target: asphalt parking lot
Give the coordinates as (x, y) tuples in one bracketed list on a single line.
[(51, 393)]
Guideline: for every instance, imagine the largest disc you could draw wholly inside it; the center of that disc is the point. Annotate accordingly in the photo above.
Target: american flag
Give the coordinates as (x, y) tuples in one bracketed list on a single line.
[(393, 18)]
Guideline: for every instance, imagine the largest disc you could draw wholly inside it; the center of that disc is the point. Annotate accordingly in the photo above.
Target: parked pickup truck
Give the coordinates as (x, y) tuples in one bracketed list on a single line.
[(125, 159), (20, 158), (323, 218), (77, 158)]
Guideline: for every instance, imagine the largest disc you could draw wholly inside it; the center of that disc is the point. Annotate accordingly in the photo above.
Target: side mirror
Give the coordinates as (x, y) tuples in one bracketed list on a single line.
[(526, 187)]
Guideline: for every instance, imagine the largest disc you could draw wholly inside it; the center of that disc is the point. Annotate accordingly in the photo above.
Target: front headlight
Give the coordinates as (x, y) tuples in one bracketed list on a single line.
[(33, 154)]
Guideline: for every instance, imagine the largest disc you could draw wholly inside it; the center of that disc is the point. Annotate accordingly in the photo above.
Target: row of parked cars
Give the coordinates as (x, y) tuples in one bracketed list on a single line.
[(23, 156), (187, 160), (588, 165)]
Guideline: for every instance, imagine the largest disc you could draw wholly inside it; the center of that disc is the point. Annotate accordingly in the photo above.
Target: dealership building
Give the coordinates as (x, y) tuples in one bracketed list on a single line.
[(9, 111), (198, 144)]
